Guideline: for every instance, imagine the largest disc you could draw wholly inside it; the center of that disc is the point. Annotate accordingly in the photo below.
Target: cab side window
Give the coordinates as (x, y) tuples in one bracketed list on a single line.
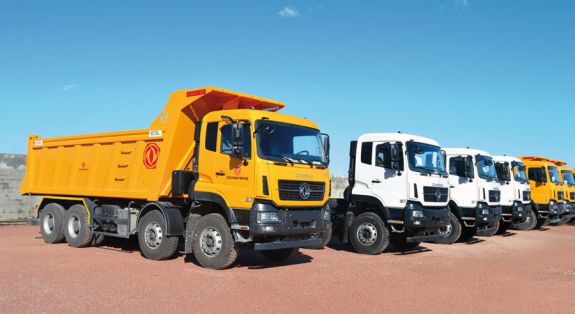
[(366, 152), (456, 166), (226, 143), (379, 155)]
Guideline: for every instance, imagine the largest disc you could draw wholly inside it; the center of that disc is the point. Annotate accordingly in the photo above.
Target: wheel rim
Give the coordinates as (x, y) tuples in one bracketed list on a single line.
[(74, 226), (445, 231), (367, 233), (49, 222), (211, 241), (153, 235)]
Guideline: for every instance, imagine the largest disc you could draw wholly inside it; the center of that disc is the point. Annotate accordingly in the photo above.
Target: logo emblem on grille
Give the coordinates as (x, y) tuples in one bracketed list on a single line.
[(304, 191), (437, 195)]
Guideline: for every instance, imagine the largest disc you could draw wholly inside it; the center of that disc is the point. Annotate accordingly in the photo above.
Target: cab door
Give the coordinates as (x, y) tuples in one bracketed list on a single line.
[(234, 177), (463, 190), (387, 184)]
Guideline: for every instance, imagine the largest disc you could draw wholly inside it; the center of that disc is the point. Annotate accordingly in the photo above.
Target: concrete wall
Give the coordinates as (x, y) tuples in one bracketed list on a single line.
[(14, 207)]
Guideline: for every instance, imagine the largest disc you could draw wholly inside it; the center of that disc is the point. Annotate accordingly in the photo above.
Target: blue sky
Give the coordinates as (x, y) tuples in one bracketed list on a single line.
[(494, 75)]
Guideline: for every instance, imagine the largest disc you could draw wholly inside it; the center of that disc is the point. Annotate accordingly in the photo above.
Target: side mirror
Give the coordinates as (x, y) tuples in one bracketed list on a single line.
[(238, 140), (392, 157), (326, 146), (469, 167)]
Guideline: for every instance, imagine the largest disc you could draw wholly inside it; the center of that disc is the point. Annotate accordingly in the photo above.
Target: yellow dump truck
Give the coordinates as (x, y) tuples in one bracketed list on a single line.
[(220, 170), (547, 193)]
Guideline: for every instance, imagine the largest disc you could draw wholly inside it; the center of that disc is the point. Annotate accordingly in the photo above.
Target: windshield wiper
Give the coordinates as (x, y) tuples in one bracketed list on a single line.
[(284, 158)]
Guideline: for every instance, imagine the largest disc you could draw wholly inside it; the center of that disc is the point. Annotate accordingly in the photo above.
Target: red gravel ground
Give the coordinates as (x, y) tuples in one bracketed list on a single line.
[(525, 272)]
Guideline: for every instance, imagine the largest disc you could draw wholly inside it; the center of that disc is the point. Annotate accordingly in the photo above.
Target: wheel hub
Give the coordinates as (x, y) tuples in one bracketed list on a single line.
[(367, 233), (49, 223), (211, 242), (445, 231), (74, 226), (153, 235)]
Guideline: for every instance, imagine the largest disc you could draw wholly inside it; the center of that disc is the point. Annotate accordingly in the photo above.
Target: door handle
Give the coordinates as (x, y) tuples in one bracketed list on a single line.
[(376, 181), (220, 173), (452, 186)]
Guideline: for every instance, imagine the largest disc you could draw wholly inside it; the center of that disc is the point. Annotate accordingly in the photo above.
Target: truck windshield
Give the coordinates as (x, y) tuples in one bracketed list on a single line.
[(285, 142), (485, 167), (553, 175), (425, 158), (568, 177), (519, 171)]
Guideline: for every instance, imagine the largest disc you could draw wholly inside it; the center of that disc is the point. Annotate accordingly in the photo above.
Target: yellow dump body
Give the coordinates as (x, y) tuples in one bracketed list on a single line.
[(130, 164)]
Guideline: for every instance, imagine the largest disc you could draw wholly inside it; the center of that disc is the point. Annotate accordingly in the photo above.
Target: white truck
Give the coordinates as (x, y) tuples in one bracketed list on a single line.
[(398, 193), (515, 202), (474, 194)]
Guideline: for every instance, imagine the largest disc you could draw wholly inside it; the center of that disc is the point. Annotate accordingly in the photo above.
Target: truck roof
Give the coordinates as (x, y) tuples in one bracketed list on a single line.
[(374, 137), (538, 160), (466, 151), (500, 158)]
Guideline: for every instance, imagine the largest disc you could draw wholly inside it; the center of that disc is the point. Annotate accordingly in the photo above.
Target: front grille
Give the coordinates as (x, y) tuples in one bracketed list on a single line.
[(572, 196), (526, 196), (494, 196), (290, 190), (430, 194), (559, 196)]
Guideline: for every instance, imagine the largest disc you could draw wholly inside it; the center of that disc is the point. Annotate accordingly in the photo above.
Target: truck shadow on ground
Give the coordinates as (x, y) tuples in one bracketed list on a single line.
[(251, 259), (336, 244), (473, 240)]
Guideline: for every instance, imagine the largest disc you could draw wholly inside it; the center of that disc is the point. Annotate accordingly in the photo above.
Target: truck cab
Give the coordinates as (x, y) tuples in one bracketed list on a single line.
[(515, 200), (546, 190), (398, 193), (475, 193)]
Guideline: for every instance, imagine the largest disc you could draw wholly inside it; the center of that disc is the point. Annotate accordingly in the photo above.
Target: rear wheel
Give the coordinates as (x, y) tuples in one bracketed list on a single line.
[(530, 222), (213, 244), (369, 234), (279, 256), (402, 245), (451, 232), (154, 243), (52, 223), (77, 228)]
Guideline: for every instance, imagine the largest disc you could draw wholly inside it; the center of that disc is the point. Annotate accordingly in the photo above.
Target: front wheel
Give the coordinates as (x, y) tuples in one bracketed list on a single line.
[(503, 227), (493, 230), (530, 222), (369, 234), (154, 243), (213, 244), (451, 232), (542, 222)]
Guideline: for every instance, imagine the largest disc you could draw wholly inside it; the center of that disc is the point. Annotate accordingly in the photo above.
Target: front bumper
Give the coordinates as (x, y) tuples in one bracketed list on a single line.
[(420, 224), (296, 228), (517, 213), (481, 216)]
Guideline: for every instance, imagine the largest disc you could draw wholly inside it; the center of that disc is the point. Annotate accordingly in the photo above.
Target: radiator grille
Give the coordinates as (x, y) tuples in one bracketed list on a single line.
[(435, 194), (296, 190)]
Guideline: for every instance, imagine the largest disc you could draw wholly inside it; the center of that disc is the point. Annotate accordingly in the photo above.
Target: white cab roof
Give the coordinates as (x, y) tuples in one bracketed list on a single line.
[(465, 151), (398, 137), (508, 159)]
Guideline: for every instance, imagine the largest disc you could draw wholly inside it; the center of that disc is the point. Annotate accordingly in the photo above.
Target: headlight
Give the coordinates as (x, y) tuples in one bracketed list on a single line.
[(519, 209), (417, 214), (267, 217), (485, 212), (551, 203)]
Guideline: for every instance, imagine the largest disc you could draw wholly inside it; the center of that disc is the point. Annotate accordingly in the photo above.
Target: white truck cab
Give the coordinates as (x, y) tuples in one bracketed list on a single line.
[(515, 202), (475, 193), (398, 193)]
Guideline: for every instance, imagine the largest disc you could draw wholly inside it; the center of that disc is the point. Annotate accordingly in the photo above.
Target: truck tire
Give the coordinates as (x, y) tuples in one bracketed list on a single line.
[(369, 234), (278, 256), (77, 227), (325, 238), (529, 224), (52, 223), (467, 233), (452, 232), (213, 244), (494, 231), (402, 245), (503, 227), (542, 222), (190, 226), (154, 244)]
